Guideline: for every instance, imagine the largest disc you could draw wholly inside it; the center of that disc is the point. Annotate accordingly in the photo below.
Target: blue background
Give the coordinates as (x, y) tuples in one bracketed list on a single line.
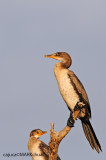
[(29, 95)]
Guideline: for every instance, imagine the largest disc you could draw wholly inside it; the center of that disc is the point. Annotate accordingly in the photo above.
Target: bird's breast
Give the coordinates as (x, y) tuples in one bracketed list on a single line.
[(35, 151), (66, 88)]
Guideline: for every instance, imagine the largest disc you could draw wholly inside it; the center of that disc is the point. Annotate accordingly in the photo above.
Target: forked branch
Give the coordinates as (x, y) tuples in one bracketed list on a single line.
[(56, 138)]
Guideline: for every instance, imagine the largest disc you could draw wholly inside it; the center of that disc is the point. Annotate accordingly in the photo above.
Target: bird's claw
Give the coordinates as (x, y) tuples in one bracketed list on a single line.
[(70, 121)]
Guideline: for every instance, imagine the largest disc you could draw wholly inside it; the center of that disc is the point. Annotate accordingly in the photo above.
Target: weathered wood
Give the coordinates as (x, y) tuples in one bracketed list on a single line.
[(56, 138)]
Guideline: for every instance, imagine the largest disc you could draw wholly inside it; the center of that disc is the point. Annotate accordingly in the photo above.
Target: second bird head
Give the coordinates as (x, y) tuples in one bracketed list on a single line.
[(37, 133)]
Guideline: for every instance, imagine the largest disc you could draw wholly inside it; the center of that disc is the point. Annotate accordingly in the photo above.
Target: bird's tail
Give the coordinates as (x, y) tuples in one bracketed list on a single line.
[(91, 136)]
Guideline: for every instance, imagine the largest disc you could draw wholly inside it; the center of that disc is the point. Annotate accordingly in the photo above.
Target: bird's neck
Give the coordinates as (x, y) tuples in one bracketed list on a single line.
[(35, 137), (66, 63), (63, 65), (58, 68)]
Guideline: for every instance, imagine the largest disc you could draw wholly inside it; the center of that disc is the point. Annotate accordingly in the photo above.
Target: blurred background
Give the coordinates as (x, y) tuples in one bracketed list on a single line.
[(29, 95)]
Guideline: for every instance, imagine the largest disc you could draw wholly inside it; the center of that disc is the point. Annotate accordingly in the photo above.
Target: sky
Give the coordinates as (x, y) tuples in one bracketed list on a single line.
[(29, 95)]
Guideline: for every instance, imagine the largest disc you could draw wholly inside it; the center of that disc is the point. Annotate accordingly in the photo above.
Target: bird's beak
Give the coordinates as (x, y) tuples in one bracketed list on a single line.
[(44, 132), (51, 56), (40, 134)]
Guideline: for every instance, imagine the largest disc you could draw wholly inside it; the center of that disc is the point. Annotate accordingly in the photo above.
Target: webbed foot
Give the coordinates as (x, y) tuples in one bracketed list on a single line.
[(70, 121)]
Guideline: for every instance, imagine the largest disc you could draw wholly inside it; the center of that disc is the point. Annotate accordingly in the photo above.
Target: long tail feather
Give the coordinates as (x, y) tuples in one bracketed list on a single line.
[(91, 136)]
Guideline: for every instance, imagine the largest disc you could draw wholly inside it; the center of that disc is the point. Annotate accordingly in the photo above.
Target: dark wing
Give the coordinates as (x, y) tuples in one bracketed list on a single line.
[(79, 88), (45, 150)]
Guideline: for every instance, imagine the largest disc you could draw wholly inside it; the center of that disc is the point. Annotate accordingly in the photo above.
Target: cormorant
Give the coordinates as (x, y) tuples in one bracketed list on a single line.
[(74, 95)]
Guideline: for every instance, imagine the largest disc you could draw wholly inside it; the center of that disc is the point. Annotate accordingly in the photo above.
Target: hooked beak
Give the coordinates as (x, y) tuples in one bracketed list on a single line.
[(51, 56), (43, 132)]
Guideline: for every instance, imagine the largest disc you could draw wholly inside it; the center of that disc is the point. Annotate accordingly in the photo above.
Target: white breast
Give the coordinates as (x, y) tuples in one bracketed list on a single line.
[(66, 89)]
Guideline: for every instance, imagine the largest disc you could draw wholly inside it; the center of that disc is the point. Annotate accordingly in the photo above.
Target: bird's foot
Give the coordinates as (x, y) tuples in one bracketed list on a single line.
[(70, 121)]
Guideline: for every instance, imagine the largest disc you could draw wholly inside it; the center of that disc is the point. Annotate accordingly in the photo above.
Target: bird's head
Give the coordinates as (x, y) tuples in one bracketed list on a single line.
[(37, 133), (61, 56)]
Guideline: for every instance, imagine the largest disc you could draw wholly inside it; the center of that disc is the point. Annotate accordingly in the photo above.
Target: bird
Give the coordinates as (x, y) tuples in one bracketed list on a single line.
[(38, 149), (74, 95)]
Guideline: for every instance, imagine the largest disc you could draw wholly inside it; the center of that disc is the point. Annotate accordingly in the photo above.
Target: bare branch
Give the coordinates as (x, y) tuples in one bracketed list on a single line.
[(56, 137)]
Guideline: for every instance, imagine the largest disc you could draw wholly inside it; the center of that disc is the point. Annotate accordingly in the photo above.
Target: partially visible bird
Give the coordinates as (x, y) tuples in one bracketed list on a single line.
[(38, 149), (74, 95)]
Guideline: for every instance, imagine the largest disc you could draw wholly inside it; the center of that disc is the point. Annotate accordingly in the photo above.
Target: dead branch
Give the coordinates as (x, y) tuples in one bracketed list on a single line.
[(56, 138)]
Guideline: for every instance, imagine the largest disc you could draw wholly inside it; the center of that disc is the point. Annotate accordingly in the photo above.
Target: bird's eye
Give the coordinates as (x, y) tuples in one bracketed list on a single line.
[(57, 54), (39, 131)]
